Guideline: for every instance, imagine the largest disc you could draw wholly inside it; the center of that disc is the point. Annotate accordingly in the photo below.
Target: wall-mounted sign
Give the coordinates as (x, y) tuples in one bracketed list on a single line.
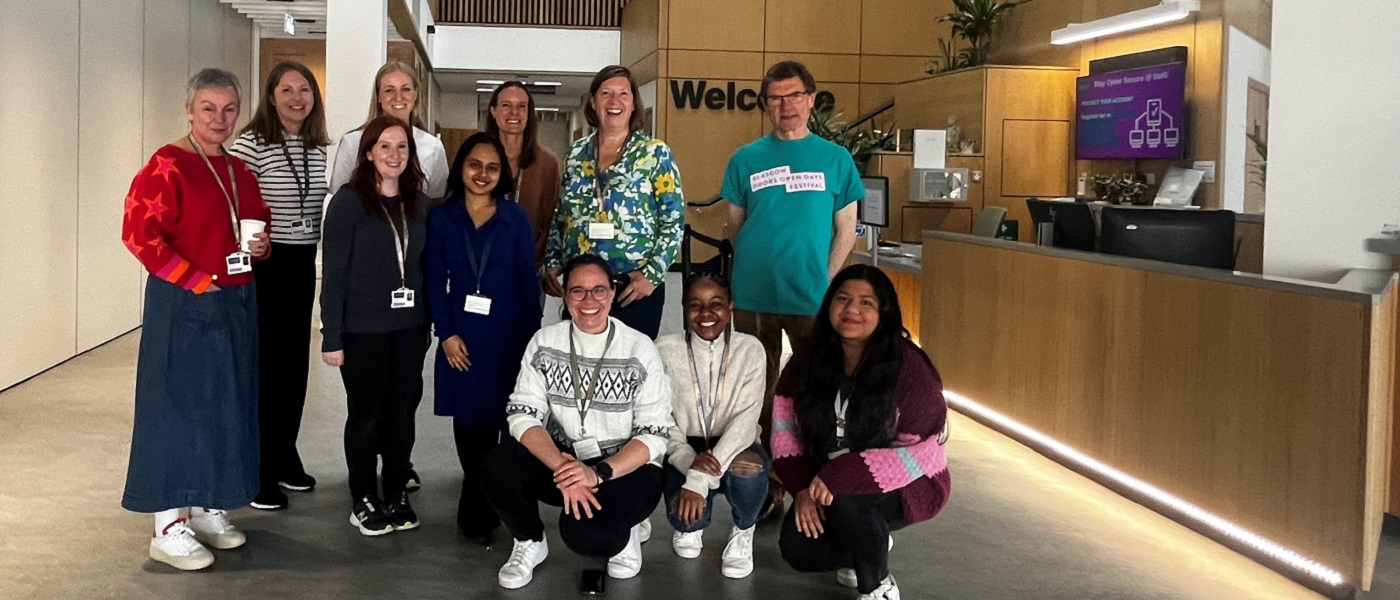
[(694, 94)]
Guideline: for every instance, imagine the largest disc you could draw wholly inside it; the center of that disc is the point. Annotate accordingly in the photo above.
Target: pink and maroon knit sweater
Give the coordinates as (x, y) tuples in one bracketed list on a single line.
[(916, 466)]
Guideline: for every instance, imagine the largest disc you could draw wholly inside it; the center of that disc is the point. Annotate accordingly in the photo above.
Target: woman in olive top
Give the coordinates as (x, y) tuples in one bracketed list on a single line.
[(375, 320), (534, 169)]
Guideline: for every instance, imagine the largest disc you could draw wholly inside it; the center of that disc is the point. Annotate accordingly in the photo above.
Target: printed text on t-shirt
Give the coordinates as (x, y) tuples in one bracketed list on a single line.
[(791, 182)]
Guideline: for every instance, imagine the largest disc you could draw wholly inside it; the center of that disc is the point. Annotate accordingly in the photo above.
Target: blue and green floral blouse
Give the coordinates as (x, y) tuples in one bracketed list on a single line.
[(643, 202)]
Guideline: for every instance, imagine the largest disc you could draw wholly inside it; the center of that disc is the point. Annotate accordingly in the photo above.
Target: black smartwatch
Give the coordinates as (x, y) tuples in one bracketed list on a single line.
[(604, 471)]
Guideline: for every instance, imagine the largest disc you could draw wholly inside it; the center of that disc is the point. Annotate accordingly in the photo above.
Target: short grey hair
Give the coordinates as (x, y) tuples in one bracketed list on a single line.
[(213, 78)]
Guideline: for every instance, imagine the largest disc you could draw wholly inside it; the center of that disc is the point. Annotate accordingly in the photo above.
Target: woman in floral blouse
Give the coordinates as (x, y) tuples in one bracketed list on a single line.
[(621, 200)]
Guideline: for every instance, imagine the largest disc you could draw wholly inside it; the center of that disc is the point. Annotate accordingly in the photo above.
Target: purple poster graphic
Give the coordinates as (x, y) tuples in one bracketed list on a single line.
[(1131, 114)]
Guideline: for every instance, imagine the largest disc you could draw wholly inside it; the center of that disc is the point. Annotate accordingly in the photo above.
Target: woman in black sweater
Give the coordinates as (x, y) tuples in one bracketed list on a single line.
[(374, 318)]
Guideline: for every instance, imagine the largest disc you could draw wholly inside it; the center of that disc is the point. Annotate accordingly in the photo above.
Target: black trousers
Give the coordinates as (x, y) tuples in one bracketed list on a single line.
[(383, 375), (286, 289), (856, 535), (475, 517), (643, 315), (516, 482)]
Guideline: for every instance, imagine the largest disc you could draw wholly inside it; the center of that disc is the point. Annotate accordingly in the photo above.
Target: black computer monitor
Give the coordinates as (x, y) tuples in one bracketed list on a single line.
[(1074, 223), (1202, 238)]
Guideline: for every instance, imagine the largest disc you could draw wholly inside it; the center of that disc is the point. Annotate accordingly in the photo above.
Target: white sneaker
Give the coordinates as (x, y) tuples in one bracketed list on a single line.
[(887, 591), (847, 577), (626, 564), (214, 529), (178, 548), (737, 561), (688, 545), (520, 567), (646, 530)]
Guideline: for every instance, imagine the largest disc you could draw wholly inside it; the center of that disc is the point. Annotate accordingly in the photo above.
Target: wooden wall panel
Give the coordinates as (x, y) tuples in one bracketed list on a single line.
[(892, 69), (712, 64), (1251, 255), (813, 26), (309, 52), (903, 27), (650, 67), (703, 141), (951, 218), (715, 25), (1032, 164), (873, 96), (927, 104), (1253, 17), (641, 30), (825, 68)]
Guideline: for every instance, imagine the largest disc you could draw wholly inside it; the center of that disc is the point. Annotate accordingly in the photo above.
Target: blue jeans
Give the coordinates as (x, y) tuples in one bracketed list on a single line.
[(746, 494)]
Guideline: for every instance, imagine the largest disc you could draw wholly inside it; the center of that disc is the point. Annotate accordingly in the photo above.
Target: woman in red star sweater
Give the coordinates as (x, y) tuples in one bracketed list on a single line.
[(194, 444), (859, 424)]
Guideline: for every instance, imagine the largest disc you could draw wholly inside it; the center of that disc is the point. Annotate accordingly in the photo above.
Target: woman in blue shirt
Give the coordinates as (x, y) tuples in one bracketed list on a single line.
[(484, 296)]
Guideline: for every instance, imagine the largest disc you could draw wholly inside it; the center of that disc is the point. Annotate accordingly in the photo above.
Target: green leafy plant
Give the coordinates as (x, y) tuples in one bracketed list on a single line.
[(1260, 166), (1119, 189), (860, 142), (974, 21)]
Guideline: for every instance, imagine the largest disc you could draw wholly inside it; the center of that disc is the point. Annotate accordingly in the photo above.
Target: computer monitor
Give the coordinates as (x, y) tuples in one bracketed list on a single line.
[(1202, 238), (1074, 223)]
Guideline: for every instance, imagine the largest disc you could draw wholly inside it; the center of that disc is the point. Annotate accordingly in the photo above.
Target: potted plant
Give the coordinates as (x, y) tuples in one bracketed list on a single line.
[(974, 21), (1261, 165), (1123, 189), (861, 143)]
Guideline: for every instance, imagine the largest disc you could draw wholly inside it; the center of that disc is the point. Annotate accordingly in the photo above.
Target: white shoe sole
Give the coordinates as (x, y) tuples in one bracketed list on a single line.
[(295, 488), (616, 572), (687, 552), (516, 585), (183, 563), (369, 532), (737, 573), (221, 542), (646, 531), (260, 506), (413, 525)]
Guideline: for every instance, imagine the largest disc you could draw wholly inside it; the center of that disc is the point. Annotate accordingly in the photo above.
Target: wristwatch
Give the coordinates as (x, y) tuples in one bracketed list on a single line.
[(604, 471)]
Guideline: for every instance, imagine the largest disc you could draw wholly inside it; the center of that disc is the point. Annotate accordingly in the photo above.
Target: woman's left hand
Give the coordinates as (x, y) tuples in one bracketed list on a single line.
[(819, 493), (640, 287), (259, 246), (573, 473)]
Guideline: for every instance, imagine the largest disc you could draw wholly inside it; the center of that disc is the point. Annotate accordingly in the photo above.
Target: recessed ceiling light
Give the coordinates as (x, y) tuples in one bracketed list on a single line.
[(546, 109), (546, 83), (489, 81), (485, 89)]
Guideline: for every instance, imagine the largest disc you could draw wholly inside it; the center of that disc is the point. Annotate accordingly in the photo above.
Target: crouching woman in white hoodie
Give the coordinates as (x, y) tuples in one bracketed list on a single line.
[(717, 384)]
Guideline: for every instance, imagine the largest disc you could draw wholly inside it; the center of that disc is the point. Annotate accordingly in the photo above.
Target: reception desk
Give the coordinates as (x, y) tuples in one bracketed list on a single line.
[(1224, 400)]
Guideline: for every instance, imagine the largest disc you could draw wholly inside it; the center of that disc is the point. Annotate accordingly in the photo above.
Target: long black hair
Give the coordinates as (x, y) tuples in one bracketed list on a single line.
[(576, 263), (457, 189), (870, 416)]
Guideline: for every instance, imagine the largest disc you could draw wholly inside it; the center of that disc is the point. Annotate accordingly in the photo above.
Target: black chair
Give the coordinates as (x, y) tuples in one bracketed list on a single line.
[(722, 264)]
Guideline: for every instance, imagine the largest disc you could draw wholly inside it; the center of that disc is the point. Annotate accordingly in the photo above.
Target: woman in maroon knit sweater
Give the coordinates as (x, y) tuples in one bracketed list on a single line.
[(859, 424)]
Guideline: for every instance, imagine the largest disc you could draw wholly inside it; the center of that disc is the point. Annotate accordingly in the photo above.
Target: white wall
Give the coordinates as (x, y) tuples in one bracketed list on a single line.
[(1334, 126), (356, 46), (95, 86), (458, 111), (1248, 59), (478, 48)]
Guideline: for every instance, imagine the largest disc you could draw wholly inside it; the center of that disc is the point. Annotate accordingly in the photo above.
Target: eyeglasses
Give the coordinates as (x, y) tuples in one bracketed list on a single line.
[(792, 98), (600, 293)]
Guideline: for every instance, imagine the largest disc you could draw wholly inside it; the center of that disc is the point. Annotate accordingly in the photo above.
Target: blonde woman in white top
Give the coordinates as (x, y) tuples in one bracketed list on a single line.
[(396, 93), (717, 385)]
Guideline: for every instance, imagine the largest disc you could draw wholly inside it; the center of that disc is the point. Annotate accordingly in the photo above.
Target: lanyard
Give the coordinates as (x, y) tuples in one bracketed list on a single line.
[(232, 200), (304, 188), (479, 269), (707, 414), (585, 402), (841, 404), (400, 243)]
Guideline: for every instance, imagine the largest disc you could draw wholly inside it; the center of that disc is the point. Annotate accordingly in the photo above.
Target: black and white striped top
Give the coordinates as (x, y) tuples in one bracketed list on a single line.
[(292, 178)]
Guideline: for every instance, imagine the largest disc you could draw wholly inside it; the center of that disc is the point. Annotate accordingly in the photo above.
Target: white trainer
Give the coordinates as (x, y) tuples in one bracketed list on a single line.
[(737, 561), (214, 530), (646, 530), (626, 564), (520, 567), (688, 545), (178, 548), (887, 591), (847, 577)]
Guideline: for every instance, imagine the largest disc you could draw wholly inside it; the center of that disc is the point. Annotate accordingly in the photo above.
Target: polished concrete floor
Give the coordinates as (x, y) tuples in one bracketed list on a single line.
[(1018, 526)]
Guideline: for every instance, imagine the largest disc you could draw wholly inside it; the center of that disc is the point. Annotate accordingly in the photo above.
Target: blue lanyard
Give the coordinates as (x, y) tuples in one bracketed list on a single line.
[(478, 269)]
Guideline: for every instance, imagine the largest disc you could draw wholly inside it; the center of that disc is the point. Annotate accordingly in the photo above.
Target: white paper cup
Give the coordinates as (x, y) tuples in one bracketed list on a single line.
[(248, 228)]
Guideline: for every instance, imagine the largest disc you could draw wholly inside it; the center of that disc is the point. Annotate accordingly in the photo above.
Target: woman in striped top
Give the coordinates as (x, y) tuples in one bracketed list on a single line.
[(284, 147)]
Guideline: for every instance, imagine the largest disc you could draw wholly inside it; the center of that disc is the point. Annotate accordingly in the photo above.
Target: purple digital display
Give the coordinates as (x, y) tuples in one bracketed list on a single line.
[(1131, 114)]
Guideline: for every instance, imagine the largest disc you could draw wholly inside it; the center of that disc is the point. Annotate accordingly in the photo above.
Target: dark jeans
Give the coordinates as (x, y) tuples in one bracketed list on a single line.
[(746, 494), (857, 530), (643, 315), (475, 517), (383, 375), (286, 289), (769, 328), (516, 482)]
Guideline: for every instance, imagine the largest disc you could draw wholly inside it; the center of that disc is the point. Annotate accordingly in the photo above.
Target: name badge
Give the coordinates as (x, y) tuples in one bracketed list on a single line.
[(587, 449), (478, 304), (239, 263), (301, 226), (601, 231), (401, 298)]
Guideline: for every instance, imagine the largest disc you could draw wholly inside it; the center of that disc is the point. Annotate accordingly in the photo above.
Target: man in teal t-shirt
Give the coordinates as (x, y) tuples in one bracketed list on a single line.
[(792, 219)]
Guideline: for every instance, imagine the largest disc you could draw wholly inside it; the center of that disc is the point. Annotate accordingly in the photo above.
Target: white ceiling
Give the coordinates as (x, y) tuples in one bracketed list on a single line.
[(569, 94), (268, 15)]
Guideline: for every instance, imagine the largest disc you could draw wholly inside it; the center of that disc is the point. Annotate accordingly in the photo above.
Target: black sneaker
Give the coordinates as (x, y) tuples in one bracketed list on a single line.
[(270, 499), (401, 513), (413, 482), (298, 483), (369, 515)]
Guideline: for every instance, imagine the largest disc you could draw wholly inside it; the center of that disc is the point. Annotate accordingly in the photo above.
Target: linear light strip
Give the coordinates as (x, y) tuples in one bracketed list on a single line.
[(1303, 564), (1166, 12)]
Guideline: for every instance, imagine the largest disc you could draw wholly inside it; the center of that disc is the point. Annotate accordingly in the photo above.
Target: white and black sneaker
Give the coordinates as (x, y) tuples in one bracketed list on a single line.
[(401, 513), (370, 517), (414, 482), (270, 499), (300, 482)]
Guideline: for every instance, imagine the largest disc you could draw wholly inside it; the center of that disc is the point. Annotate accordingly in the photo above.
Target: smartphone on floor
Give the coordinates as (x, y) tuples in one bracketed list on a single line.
[(593, 582)]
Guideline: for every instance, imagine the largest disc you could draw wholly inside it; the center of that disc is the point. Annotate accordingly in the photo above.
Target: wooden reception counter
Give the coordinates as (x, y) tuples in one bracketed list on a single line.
[(1260, 401)]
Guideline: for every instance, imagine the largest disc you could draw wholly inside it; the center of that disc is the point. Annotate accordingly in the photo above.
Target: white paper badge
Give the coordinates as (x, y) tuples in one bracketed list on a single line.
[(301, 226), (769, 178), (478, 305), (587, 449), (239, 263), (601, 231), (401, 298)]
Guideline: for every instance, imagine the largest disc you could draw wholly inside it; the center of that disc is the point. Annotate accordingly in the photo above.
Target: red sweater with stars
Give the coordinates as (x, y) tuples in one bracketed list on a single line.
[(177, 220)]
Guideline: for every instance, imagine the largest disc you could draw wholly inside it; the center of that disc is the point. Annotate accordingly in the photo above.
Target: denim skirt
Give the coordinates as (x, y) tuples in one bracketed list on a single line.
[(195, 438)]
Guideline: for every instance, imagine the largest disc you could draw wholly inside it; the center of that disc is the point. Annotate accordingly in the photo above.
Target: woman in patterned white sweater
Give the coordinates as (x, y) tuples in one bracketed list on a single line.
[(588, 423), (717, 385)]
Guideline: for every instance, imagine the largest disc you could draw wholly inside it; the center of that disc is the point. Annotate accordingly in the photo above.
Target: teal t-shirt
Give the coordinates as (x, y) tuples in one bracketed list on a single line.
[(791, 190)]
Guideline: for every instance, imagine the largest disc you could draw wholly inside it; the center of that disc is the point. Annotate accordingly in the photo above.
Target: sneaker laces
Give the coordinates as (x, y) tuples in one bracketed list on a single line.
[(181, 537), (517, 554), (217, 518), (741, 542)]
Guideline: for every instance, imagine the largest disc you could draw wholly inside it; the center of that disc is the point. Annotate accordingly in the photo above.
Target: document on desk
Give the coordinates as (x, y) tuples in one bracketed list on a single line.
[(930, 148)]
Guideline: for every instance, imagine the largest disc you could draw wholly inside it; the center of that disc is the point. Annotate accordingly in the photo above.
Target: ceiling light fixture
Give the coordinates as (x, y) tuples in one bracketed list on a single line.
[(546, 109), (1166, 12), (489, 81), (547, 83), (485, 89)]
